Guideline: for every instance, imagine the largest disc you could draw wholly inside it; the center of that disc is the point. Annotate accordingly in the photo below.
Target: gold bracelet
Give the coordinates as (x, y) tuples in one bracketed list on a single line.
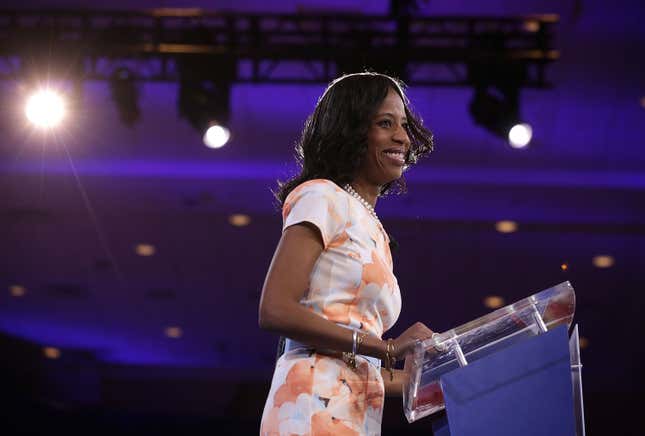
[(349, 359), (359, 341), (389, 359)]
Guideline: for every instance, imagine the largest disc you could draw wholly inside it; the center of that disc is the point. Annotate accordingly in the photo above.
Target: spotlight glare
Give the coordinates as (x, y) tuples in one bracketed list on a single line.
[(520, 135), (45, 109), (216, 136)]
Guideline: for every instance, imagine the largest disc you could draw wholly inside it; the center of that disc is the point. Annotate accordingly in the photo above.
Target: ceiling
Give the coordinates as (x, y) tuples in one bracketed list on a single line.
[(76, 204)]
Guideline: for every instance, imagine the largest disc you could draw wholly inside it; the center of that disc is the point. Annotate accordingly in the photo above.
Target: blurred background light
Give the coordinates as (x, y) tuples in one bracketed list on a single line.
[(493, 302), (506, 226), (216, 136), (145, 249), (520, 135), (51, 352), (603, 261), (45, 108), (174, 332), (239, 220), (17, 290)]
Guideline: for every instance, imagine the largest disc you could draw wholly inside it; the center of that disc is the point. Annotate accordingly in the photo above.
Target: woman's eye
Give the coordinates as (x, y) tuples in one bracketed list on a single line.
[(385, 123)]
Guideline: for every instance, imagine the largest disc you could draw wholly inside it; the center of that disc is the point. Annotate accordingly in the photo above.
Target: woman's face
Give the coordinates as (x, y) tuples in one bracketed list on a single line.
[(387, 142)]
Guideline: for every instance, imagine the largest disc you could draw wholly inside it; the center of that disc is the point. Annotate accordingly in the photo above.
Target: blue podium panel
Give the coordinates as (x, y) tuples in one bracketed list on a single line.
[(524, 389)]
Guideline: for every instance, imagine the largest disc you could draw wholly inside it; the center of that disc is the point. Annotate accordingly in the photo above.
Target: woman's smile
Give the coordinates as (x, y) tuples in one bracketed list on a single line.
[(396, 155)]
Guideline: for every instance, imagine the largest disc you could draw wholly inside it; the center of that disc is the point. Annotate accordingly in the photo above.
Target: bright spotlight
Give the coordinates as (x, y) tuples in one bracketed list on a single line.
[(216, 136), (45, 109), (520, 135)]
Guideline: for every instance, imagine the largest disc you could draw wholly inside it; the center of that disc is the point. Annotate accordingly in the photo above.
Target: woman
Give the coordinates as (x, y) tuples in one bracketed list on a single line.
[(330, 288)]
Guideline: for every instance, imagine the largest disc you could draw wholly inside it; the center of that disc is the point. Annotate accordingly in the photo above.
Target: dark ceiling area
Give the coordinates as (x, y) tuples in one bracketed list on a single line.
[(133, 256)]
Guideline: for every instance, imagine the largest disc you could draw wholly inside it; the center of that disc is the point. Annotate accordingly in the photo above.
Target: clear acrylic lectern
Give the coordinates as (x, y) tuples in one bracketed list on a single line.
[(496, 331)]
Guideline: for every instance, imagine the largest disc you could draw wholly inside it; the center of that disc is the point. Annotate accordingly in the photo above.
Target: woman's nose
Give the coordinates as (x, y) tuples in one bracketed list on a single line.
[(401, 136)]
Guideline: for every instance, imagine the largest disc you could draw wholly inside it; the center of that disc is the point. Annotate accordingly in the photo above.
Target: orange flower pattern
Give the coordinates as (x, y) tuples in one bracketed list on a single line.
[(352, 284)]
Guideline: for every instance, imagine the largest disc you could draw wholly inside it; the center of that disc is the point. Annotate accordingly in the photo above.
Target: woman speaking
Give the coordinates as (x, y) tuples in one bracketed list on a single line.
[(330, 289)]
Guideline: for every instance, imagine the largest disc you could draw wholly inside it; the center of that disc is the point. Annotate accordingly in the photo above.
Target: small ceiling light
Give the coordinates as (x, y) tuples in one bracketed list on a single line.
[(45, 109), (51, 352), (239, 220), (520, 135), (17, 290), (493, 302), (564, 266), (216, 136), (174, 332), (145, 249), (506, 226), (603, 261), (584, 343)]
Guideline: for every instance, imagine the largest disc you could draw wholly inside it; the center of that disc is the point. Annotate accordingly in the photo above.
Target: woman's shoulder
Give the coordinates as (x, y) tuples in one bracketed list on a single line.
[(321, 186)]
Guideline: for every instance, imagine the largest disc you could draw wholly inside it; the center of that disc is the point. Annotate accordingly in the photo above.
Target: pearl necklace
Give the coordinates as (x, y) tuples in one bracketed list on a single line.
[(364, 202)]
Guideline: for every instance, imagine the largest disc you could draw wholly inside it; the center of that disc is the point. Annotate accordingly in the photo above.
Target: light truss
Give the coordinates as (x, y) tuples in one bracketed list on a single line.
[(274, 48)]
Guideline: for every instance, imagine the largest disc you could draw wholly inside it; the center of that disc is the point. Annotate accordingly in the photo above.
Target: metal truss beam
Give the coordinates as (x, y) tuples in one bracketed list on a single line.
[(272, 48)]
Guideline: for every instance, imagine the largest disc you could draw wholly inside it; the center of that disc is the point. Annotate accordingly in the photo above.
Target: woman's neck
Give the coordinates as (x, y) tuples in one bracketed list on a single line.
[(368, 191)]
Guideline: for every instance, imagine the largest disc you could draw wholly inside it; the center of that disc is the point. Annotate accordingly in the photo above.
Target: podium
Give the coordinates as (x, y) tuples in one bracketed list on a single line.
[(513, 371)]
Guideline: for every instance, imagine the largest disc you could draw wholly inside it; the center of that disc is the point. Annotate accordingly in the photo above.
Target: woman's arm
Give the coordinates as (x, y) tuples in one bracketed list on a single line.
[(287, 281), (394, 388)]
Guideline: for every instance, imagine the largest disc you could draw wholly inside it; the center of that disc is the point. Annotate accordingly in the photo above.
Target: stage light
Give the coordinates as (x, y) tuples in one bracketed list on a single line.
[(205, 106), (204, 96), (498, 113), (216, 136), (495, 102), (520, 135), (125, 94), (45, 109)]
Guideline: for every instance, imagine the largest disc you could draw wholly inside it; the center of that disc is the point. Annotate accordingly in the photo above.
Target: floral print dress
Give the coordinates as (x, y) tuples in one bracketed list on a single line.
[(352, 284)]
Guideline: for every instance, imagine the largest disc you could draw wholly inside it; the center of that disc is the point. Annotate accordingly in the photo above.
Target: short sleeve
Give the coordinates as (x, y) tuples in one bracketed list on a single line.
[(320, 202)]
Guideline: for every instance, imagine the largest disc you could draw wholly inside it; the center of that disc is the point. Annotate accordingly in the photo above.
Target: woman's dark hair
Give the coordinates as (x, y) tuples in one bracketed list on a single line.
[(334, 139)]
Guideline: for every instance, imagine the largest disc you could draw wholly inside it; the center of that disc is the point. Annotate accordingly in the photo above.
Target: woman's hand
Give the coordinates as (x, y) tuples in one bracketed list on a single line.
[(408, 339)]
